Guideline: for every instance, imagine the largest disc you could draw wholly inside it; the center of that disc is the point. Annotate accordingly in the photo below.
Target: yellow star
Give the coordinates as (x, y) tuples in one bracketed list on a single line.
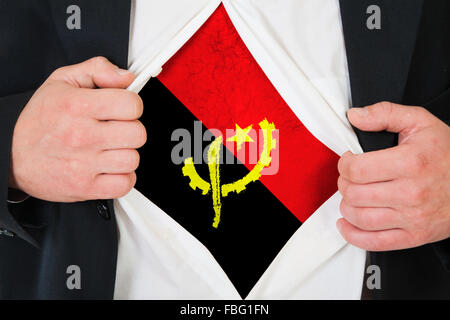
[(241, 136)]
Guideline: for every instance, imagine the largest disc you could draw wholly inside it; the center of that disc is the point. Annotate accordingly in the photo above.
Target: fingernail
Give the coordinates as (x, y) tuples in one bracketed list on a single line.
[(122, 72), (363, 112)]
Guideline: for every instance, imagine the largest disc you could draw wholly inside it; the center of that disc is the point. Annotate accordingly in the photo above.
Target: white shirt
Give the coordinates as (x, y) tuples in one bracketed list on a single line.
[(299, 45)]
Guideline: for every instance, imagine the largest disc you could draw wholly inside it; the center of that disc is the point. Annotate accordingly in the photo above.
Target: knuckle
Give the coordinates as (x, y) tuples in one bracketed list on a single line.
[(141, 133), (136, 160), (135, 104), (138, 104), (420, 109), (341, 164), (75, 138), (74, 104), (58, 73), (353, 215), (341, 185), (133, 160), (344, 208), (119, 190), (386, 107), (355, 171), (133, 179), (418, 163), (69, 104), (383, 241), (98, 61), (417, 194), (123, 186), (345, 162), (421, 216), (421, 112), (78, 181), (351, 194), (74, 167), (358, 218)]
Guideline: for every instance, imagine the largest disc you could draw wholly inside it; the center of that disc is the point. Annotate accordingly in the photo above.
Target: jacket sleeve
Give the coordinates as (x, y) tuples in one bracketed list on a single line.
[(442, 249), (440, 107), (10, 108)]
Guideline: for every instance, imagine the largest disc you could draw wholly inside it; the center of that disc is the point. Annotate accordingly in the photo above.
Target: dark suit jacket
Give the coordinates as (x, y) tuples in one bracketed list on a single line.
[(407, 61)]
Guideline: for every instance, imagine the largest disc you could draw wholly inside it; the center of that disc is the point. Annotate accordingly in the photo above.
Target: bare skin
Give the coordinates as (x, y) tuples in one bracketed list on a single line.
[(76, 139), (399, 197)]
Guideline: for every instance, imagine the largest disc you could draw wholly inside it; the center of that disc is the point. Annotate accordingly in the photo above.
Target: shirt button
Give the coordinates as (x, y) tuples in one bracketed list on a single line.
[(103, 210), (7, 233)]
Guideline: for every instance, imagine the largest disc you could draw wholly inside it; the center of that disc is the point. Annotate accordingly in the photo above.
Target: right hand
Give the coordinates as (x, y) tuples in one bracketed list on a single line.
[(74, 142)]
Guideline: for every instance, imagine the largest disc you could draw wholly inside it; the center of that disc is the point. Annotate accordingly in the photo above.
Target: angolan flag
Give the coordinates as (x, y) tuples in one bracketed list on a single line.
[(226, 157)]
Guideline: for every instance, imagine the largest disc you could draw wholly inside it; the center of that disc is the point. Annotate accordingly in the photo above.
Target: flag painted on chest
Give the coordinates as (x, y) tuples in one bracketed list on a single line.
[(226, 157)]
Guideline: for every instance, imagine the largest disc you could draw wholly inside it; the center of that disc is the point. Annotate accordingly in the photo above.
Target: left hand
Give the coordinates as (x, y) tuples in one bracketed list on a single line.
[(399, 197)]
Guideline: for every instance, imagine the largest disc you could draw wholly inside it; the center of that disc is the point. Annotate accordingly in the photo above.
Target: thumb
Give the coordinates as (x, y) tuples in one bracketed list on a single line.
[(388, 116), (92, 73)]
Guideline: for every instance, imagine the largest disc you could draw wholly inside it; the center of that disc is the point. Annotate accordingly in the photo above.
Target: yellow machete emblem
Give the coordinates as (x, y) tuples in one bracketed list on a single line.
[(220, 191)]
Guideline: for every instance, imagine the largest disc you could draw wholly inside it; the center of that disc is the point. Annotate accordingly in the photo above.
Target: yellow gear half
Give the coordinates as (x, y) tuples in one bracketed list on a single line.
[(219, 191)]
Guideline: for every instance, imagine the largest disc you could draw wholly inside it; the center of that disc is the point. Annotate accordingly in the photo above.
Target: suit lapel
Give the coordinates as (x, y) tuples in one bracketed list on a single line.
[(104, 30), (379, 59)]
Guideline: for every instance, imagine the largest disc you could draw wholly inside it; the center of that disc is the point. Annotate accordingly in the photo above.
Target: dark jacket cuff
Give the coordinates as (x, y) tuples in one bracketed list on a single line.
[(442, 249)]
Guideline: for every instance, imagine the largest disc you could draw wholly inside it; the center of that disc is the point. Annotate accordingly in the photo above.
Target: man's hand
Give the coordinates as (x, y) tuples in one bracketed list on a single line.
[(74, 142), (399, 197)]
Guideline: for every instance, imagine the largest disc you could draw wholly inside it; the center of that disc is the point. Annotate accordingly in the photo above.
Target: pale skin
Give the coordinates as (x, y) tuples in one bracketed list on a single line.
[(77, 139), (399, 197)]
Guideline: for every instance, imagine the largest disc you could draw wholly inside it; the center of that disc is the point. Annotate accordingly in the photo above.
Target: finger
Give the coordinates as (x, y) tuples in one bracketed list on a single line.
[(370, 219), (122, 135), (393, 239), (375, 166), (118, 161), (112, 186), (112, 104), (92, 73), (391, 194), (388, 116)]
